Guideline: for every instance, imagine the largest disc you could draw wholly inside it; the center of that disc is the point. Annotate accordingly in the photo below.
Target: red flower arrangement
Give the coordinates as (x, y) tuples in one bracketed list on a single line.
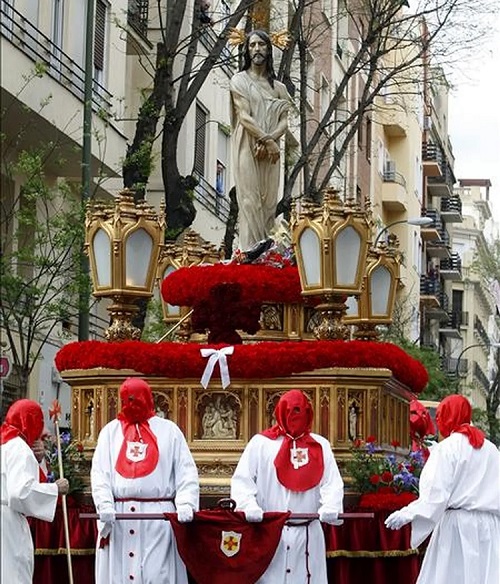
[(262, 360), (259, 283)]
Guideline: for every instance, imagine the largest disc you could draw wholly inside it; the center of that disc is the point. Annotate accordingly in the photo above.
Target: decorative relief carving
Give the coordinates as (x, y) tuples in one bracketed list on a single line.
[(219, 416), (163, 404), (217, 469), (271, 317)]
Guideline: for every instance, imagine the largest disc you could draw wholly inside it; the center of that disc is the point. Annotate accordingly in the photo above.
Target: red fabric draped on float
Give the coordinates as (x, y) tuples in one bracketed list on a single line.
[(362, 551), (51, 564), (366, 552)]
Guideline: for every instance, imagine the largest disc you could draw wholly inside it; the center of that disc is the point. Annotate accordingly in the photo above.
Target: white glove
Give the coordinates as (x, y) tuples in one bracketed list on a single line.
[(107, 515), (185, 514), (397, 519), (329, 516), (254, 514)]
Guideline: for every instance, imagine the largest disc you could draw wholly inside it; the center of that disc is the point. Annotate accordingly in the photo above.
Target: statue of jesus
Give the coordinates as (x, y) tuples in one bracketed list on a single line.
[(259, 108)]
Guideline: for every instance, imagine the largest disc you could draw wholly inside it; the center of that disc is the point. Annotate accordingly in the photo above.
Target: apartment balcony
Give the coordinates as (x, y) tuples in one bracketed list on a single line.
[(432, 158), (207, 196), (138, 24), (431, 232), (451, 209), (442, 185), (394, 191), (450, 364), (480, 331), (481, 377), (225, 62), (437, 309), (430, 292), (451, 268), (42, 51), (440, 246), (393, 117), (450, 327)]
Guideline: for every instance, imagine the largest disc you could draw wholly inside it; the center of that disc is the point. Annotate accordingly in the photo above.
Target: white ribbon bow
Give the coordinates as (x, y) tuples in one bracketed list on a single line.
[(214, 357)]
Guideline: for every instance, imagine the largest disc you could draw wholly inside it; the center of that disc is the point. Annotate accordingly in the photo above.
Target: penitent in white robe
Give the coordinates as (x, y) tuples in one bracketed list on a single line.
[(22, 495), (143, 551), (255, 483), (459, 502)]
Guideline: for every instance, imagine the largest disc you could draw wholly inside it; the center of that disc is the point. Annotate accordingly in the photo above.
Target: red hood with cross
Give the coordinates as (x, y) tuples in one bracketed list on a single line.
[(139, 453), (299, 462)]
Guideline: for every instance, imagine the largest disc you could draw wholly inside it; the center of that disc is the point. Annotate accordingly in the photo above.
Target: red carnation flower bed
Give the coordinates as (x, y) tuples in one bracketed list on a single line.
[(258, 283), (262, 360), (385, 501)]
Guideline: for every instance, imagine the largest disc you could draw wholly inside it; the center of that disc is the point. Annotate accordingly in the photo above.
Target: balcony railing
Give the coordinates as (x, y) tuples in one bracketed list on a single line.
[(449, 364), (206, 194), (450, 326), (481, 376), (429, 286), (451, 205), (432, 153), (451, 264), (208, 38), (480, 330), (40, 49), (446, 180), (435, 215), (138, 16)]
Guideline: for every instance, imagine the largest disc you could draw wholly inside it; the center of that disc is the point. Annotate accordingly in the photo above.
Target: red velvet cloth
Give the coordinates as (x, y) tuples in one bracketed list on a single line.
[(361, 551), (364, 551), (249, 547), (51, 563)]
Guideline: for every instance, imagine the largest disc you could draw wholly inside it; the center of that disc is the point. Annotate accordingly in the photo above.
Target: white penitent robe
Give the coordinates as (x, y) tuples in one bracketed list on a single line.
[(143, 551), (459, 502), (255, 483), (22, 495)]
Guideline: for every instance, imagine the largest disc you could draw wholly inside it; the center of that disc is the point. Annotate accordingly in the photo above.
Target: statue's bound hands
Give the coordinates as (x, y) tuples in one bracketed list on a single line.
[(267, 148), (273, 151)]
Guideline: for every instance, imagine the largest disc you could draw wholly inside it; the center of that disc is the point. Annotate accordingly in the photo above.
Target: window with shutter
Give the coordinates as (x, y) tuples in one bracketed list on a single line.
[(200, 140), (100, 35)]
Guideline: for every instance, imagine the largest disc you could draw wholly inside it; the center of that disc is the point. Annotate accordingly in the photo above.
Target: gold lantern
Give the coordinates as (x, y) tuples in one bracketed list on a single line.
[(123, 242), (331, 246), (375, 305)]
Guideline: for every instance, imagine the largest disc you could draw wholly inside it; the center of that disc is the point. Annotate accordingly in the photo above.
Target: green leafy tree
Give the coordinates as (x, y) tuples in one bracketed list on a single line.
[(42, 231)]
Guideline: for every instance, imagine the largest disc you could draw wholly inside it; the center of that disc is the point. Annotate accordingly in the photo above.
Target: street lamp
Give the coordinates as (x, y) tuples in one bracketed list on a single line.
[(331, 246), (419, 221), (482, 345)]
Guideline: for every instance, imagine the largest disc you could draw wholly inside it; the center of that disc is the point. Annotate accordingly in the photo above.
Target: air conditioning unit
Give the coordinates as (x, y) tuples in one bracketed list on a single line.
[(427, 122)]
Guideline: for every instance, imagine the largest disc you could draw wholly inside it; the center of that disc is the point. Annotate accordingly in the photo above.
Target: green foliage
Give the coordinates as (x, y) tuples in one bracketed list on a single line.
[(72, 461), (42, 233), (154, 328)]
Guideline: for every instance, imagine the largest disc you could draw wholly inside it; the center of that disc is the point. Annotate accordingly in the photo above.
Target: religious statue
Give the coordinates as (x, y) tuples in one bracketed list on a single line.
[(259, 116)]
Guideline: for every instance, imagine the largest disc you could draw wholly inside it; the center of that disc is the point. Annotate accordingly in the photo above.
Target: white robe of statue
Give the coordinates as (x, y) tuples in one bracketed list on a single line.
[(256, 181)]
